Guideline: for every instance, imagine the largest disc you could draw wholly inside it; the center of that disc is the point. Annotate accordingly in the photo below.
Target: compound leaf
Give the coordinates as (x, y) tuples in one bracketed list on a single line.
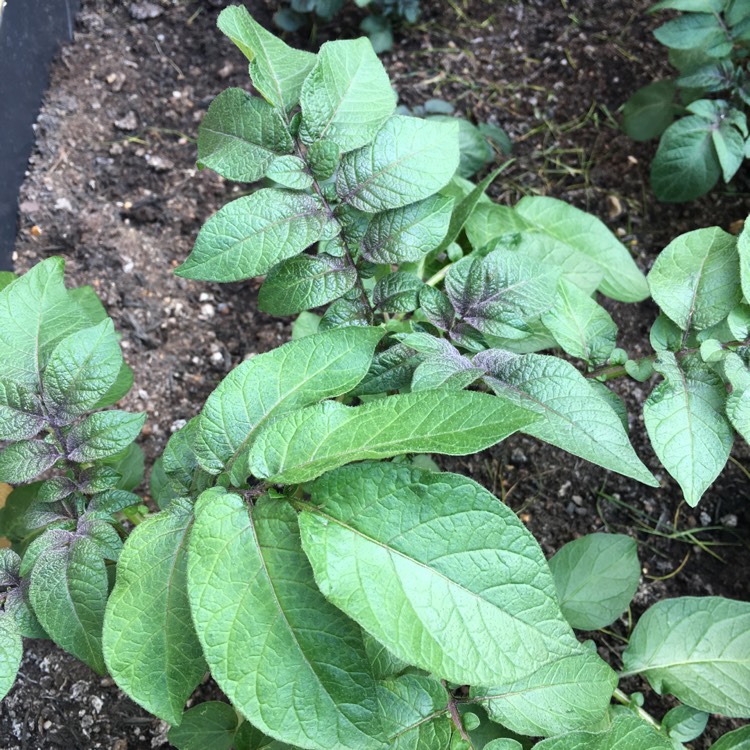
[(250, 235), (697, 649), (150, 645), (286, 658), (301, 445), (397, 549), (409, 160), (241, 135), (347, 97), (684, 417)]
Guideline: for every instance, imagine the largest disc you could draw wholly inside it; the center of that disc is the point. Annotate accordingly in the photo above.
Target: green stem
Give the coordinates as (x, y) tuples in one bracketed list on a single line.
[(439, 276), (622, 697)]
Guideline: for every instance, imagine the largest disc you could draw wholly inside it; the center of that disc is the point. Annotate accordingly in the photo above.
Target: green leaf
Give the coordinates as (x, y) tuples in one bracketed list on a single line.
[(11, 651), (415, 713), (305, 324), (383, 664), (390, 370), (397, 292), (344, 313), (697, 649), (488, 221), (737, 740), (474, 148), (685, 165), (692, 30), (301, 445), (291, 172), (596, 577), (81, 370), (36, 312), (208, 725), (575, 417), (250, 235), (628, 732), (581, 326), (6, 278), (285, 657), (397, 549), (684, 417), (241, 135), (20, 462), (501, 293), (588, 235), (347, 97), (407, 234), (277, 70), (69, 588), (150, 645), (294, 375), (122, 385), (409, 160), (743, 248), (684, 723), (103, 434), (323, 157), (650, 111), (305, 281), (21, 413)]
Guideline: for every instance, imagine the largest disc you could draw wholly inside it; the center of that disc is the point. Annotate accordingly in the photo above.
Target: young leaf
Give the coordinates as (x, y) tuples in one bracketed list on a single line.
[(69, 588), (344, 313), (409, 160), (390, 370), (581, 326), (684, 417), (397, 549), (695, 648), (488, 221), (627, 732), (686, 165), (285, 657), (305, 281), (150, 645), (347, 97), (21, 413), (586, 234), (415, 716), (211, 725), (596, 577), (407, 234), (36, 311), (692, 30), (684, 723), (81, 370), (737, 740), (11, 651), (576, 418), (650, 111), (501, 292), (103, 434), (277, 70), (22, 461), (694, 280), (290, 172), (397, 292), (297, 374), (303, 444), (323, 157), (241, 135), (250, 235)]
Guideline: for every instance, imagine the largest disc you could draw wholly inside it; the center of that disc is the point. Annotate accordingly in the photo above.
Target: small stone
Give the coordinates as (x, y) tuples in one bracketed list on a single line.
[(116, 149), (205, 297), (97, 703), (120, 745), (142, 11), (28, 207), (614, 206), (217, 358), (160, 163), (207, 311), (47, 724), (223, 308), (729, 520), (178, 424), (518, 456), (63, 204), (129, 122), (705, 518), (226, 71)]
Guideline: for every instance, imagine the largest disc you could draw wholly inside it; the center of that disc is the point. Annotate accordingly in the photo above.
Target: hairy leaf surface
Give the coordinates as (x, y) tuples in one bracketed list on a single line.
[(11, 651)]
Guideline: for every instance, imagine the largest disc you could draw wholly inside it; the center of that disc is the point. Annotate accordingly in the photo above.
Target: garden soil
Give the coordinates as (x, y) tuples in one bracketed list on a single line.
[(112, 187)]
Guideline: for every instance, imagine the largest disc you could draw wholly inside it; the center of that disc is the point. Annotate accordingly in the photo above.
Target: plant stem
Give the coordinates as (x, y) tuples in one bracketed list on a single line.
[(455, 715), (624, 698), (439, 276)]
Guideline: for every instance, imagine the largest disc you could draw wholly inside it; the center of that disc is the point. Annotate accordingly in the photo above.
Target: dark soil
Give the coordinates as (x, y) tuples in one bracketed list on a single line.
[(112, 187)]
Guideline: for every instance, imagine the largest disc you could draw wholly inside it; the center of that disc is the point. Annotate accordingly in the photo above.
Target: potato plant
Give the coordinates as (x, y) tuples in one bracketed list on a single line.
[(343, 592), (700, 116)]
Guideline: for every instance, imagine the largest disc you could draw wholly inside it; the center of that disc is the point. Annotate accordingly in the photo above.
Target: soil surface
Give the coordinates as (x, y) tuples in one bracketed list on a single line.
[(112, 187)]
